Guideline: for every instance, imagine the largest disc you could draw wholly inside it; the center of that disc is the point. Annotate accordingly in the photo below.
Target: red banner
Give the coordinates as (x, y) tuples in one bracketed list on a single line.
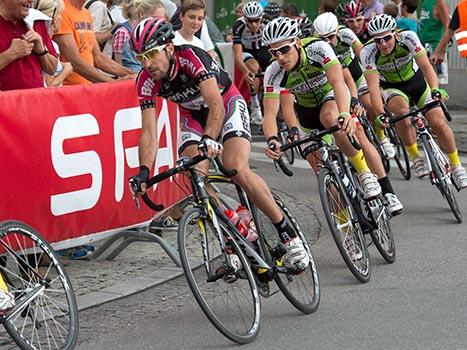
[(67, 153)]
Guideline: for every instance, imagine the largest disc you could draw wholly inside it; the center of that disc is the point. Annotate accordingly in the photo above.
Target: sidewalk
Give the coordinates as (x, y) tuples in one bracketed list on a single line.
[(143, 265)]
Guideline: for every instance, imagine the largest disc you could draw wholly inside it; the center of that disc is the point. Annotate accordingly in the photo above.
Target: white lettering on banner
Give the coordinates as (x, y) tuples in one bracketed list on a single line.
[(125, 120), (75, 164)]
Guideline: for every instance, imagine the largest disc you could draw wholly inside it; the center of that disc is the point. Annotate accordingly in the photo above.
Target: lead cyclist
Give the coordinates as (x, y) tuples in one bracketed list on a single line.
[(213, 119), (397, 62)]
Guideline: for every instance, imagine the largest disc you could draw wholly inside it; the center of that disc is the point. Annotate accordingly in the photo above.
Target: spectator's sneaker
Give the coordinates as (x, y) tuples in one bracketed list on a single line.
[(256, 116), (7, 301), (296, 256), (419, 167), (353, 250), (388, 148), (370, 185), (165, 223), (460, 176), (393, 204)]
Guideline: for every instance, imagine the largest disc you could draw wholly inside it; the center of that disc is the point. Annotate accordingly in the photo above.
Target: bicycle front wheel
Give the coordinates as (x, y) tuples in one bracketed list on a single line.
[(302, 289), (45, 315), (440, 176), (344, 226), (382, 236), (231, 302)]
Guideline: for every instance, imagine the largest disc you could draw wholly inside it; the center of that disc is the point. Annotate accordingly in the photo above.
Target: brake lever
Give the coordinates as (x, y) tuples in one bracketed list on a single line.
[(134, 189)]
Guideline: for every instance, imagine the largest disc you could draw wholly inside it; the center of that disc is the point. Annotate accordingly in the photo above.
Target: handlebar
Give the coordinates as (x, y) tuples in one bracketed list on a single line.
[(423, 110), (183, 165)]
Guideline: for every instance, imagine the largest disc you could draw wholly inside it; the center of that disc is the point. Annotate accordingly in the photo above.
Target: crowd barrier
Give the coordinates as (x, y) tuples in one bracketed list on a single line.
[(66, 156)]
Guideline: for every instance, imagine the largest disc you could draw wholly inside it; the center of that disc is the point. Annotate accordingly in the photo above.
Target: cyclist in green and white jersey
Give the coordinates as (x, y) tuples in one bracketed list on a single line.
[(348, 47), (309, 70), (397, 62)]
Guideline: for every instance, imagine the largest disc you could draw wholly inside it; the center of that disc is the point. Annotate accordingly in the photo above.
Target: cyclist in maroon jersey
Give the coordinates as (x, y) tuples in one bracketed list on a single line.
[(351, 15), (213, 119)]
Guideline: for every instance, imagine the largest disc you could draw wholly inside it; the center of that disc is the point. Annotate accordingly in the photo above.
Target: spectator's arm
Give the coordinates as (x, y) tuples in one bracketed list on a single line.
[(102, 37), (439, 54), (108, 65), (48, 63), (70, 52), (238, 56), (443, 12), (57, 80), (118, 58)]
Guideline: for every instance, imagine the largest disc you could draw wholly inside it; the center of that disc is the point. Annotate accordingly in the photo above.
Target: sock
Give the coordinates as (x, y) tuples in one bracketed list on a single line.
[(254, 101), (3, 285), (412, 150), (454, 158), (359, 162), (380, 133), (386, 186), (285, 231)]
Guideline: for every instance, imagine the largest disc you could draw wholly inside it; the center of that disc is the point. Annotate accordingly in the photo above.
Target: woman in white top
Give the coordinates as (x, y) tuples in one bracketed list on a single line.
[(192, 14)]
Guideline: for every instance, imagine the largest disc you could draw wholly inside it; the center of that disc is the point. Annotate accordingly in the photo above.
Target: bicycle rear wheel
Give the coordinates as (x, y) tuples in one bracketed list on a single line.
[(302, 289), (382, 236), (401, 157), (45, 315), (440, 177), (232, 304), (344, 226)]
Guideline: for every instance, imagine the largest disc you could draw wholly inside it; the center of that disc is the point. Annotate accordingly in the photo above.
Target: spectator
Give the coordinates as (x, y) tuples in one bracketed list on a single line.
[(122, 51), (192, 17), (78, 45), (102, 24), (149, 8), (391, 10), (170, 7), (239, 10), (53, 9), (398, 3), (328, 6), (24, 52), (290, 10), (372, 8), (408, 20), (116, 10)]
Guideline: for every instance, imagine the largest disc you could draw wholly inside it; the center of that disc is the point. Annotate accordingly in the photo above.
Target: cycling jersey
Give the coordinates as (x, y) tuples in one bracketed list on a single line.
[(251, 42), (308, 83), (364, 36), (346, 39), (191, 67), (399, 65)]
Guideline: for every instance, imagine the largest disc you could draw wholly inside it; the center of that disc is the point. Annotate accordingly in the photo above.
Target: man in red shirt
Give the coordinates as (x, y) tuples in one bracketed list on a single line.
[(24, 52)]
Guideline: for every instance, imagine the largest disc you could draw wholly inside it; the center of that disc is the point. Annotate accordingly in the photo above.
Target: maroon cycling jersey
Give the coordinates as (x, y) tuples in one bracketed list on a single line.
[(192, 66)]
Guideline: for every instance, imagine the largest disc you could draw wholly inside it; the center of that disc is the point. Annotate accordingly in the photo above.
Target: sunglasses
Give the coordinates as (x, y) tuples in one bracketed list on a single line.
[(328, 37), (384, 39), (354, 20), (284, 49), (150, 54), (253, 20)]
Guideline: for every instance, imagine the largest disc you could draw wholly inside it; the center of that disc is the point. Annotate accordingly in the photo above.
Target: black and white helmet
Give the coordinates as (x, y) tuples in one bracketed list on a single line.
[(280, 29), (253, 9), (380, 24)]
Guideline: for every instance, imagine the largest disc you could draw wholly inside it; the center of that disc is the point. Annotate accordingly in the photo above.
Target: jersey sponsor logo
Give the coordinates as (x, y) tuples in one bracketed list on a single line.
[(228, 126), (418, 49), (185, 95), (326, 60), (242, 108), (269, 89), (188, 65), (148, 85), (368, 67)]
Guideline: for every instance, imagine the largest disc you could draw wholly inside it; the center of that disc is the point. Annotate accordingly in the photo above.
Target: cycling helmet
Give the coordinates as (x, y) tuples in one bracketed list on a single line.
[(279, 29), (325, 24), (253, 9), (151, 32), (307, 29), (351, 9), (273, 9), (380, 24)]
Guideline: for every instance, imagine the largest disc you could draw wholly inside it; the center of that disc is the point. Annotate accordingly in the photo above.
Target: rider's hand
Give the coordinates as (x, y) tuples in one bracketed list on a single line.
[(273, 148), (138, 183), (208, 147), (439, 94), (294, 134), (356, 107), (382, 121), (349, 124)]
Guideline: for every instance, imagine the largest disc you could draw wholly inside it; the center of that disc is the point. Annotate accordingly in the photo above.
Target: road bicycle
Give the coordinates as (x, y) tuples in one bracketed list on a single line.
[(227, 292), (283, 136), (348, 214), (45, 315), (436, 161)]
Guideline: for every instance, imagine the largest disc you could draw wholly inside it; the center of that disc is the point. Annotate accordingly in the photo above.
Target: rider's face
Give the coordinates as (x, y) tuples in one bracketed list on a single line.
[(385, 42), (355, 24), (285, 53), (156, 62), (254, 24)]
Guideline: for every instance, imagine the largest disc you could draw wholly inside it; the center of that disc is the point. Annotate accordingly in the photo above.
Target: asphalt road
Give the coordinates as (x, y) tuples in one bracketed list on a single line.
[(419, 302)]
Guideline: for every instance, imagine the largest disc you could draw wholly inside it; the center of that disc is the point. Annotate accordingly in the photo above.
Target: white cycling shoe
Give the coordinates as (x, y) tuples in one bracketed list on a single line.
[(419, 167), (7, 301), (393, 204), (370, 185), (296, 256), (256, 116), (460, 176), (388, 148)]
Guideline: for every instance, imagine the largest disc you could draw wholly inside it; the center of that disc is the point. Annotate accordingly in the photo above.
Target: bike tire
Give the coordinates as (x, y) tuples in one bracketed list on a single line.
[(371, 135), (382, 236), (36, 324), (332, 199), (401, 157), (441, 178), (208, 294), (301, 290), (289, 154)]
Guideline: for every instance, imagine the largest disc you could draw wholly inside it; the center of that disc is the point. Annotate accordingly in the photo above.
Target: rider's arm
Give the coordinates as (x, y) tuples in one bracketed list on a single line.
[(238, 55), (427, 70), (350, 83), (357, 47), (288, 110), (336, 79), (213, 98), (372, 80), (148, 140), (271, 108)]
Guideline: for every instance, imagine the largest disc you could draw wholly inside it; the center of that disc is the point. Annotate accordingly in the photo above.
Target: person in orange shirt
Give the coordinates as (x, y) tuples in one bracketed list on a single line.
[(78, 45)]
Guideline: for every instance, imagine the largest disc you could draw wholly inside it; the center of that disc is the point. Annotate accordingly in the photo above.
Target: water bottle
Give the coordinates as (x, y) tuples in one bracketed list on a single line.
[(345, 180), (234, 260), (246, 224)]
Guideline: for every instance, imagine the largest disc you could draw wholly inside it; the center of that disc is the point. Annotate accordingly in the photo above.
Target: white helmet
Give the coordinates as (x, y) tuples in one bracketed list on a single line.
[(280, 29), (253, 9), (325, 24), (380, 24)]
